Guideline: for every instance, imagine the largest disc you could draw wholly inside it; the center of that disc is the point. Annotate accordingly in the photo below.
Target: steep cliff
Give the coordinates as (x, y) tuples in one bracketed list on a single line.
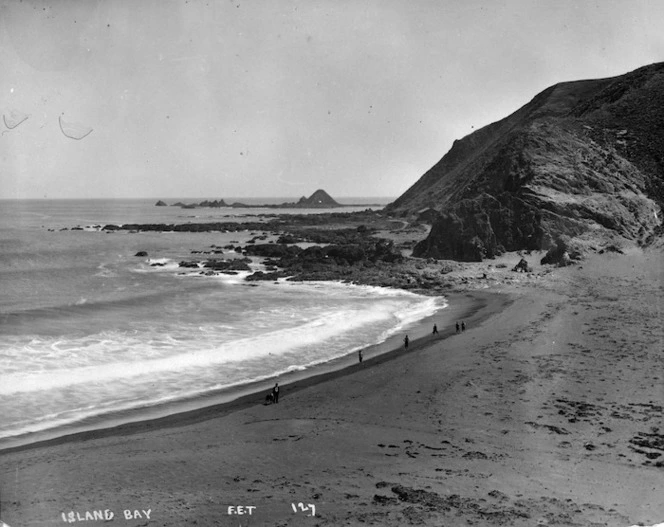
[(581, 158)]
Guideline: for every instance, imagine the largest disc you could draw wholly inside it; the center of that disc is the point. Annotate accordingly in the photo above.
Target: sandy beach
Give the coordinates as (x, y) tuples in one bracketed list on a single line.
[(547, 410)]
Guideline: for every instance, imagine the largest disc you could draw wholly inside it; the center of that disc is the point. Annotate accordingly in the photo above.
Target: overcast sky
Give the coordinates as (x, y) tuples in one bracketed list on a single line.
[(279, 98)]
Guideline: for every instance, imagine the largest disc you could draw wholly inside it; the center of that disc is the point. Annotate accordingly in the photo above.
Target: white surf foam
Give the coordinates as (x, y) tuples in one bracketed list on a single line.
[(276, 342)]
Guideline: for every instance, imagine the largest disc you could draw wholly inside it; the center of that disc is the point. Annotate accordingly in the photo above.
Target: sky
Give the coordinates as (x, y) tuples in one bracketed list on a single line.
[(278, 98)]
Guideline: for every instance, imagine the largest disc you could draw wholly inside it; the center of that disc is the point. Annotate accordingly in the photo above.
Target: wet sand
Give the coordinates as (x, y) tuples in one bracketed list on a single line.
[(546, 410)]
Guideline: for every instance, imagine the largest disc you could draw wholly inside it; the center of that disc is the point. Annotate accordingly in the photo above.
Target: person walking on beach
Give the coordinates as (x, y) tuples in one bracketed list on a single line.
[(463, 326), (275, 393), (359, 353), (457, 327), (435, 329), (405, 342)]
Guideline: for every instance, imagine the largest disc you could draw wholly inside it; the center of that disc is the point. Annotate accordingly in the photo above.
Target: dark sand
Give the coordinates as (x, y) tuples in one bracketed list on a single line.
[(546, 411)]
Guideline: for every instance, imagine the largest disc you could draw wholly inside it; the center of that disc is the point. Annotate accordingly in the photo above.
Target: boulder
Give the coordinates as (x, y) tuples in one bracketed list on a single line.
[(522, 267), (558, 254)]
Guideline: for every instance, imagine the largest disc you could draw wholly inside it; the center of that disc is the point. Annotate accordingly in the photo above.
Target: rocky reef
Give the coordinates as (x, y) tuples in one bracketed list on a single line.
[(582, 159), (318, 200)]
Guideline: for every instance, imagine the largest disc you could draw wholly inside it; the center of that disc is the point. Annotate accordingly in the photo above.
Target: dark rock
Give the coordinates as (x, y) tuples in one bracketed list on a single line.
[(611, 249), (474, 455), (160, 204), (429, 500), (653, 440), (289, 238), (269, 250), (259, 276), (213, 204), (227, 265), (483, 227), (384, 500), (496, 494), (558, 254), (522, 267), (141, 253)]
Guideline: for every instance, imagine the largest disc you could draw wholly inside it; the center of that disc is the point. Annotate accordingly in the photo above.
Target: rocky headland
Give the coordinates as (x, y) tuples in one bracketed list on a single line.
[(583, 160)]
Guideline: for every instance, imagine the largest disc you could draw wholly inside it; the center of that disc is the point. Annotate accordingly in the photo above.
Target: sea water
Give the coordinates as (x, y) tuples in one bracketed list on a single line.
[(87, 328)]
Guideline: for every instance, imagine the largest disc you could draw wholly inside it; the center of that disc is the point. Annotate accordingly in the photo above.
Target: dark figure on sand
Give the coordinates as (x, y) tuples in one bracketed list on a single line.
[(359, 353), (435, 329), (457, 327), (275, 392), (405, 342), (463, 326)]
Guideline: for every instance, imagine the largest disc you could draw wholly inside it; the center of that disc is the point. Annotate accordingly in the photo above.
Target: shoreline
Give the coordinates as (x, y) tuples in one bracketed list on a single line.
[(546, 410), (467, 305)]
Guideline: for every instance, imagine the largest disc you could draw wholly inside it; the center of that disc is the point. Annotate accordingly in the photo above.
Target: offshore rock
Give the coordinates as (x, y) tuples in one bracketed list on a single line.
[(320, 198)]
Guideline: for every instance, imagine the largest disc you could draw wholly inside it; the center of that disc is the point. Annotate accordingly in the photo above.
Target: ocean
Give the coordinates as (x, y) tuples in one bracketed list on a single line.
[(88, 329)]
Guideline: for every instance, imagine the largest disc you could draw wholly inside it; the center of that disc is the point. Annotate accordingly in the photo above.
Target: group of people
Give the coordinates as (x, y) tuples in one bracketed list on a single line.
[(406, 340), (273, 396)]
